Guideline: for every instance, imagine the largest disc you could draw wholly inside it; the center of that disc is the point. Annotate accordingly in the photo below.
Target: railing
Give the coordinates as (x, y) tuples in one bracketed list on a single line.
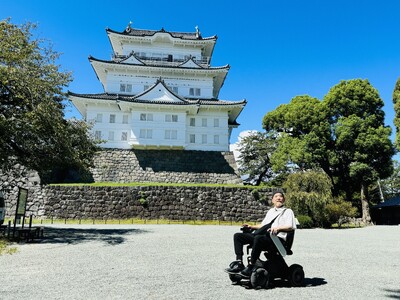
[(163, 58)]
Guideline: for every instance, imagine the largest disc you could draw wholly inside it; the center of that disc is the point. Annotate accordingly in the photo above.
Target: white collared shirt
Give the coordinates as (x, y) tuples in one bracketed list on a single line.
[(286, 218)]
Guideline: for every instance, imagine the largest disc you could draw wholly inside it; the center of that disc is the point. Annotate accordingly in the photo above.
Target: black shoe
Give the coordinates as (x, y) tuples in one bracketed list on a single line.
[(235, 267), (247, 271)]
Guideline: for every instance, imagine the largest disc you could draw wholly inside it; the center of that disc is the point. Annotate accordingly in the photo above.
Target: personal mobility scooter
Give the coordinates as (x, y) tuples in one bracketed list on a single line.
[(274, 266)]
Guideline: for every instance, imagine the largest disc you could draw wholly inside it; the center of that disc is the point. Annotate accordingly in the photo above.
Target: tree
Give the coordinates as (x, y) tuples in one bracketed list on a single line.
[(362, 142), (391, 185), (344, 135), (33, 131), (254, 159), (396, 102)]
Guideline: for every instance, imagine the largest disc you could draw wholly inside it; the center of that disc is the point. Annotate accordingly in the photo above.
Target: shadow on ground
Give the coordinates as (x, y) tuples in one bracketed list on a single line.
[(278, 283), (78, 235), (394, 294)]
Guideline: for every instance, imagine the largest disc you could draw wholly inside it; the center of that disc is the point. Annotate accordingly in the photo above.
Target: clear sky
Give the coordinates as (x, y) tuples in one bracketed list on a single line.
[(276, 49)]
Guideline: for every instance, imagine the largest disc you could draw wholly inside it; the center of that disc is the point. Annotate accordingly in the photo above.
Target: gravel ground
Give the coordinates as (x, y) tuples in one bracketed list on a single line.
[(187, 262)]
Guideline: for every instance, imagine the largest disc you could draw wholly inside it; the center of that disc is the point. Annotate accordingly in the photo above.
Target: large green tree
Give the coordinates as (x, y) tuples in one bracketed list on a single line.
[(33, 131), (344, 135)]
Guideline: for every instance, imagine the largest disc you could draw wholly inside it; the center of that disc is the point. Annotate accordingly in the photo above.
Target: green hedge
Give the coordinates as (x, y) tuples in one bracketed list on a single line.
[(305, 221)]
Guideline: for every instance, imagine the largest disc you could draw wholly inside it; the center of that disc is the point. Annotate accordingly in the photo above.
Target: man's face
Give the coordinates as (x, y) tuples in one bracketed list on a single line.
[(278, 200)]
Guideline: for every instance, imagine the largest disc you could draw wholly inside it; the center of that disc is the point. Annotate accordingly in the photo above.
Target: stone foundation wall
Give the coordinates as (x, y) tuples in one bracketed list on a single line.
[(172, 166), (17, 177), (154, 202)]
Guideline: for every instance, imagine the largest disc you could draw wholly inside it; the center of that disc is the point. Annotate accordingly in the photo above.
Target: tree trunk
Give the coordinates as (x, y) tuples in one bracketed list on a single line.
[(366, 217), (260, 177)]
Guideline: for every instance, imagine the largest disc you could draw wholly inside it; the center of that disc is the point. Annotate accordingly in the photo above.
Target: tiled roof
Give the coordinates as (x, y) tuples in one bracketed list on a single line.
[(144, 32), (158, 65), (127, 98), (389, 203)]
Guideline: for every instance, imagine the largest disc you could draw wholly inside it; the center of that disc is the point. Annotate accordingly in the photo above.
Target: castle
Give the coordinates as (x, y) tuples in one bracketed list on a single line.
[(160, 92)]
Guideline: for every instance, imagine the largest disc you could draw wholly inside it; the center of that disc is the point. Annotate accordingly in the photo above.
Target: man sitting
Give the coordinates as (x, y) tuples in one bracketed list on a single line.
[(279, 219)]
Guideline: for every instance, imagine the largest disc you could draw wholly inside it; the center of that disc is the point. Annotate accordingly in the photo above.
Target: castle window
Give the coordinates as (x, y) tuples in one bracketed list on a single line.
[(146, 133), (97, 135), (112, 118), (111, 135), (99, 118), (171, 118), (204, 138), (173, 89), (194, 92), (216, 122), (192, 122), (171, 134), (125, 88), (146, 117), (125, 119), (124, 136), (204, 122), (192, 138), (216, 139)]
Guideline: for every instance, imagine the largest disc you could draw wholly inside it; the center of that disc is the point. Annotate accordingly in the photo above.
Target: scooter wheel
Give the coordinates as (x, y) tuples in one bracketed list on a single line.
[(296, 275), (259, 278), (235, 278)]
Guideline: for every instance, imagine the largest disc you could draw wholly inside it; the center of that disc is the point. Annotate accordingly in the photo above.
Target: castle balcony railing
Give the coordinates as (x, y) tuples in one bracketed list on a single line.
[(161, 59)]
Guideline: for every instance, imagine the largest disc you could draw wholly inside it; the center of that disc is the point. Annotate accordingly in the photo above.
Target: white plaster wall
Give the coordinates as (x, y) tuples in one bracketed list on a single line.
[(106, 127), (138, 83), (162, 48), (158, 126), (199, 130)]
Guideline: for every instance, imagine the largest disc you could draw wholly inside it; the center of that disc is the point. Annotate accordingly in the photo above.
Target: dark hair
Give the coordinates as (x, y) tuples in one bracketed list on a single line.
[(278, 192)]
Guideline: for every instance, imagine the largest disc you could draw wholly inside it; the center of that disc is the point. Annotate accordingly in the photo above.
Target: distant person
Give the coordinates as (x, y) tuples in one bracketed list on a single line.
[(278, 221)]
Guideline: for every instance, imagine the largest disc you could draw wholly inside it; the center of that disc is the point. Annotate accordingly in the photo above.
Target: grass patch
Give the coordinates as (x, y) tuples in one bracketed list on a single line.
[(346, 226), (5, 247), (135, 184)]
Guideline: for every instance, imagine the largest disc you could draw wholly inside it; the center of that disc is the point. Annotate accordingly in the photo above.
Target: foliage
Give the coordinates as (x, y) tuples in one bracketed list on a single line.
[(143, 199), (33, 131), (305, 221), (396, 102), (261, 197), (391, 185), (254, 159), (344, 135), (339, 209), (159, 184), (5, 247), (308, 193)]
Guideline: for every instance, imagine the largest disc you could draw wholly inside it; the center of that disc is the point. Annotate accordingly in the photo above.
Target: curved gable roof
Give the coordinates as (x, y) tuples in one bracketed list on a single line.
[(190, 63), (132, 59), (129, 31), (159, 92)]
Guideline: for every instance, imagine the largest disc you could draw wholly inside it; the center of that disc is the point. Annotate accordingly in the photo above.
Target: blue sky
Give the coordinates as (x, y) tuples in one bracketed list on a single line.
[(276, 49)]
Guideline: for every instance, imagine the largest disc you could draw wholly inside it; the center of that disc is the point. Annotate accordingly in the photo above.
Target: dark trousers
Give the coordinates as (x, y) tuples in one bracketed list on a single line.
[(258, 242)]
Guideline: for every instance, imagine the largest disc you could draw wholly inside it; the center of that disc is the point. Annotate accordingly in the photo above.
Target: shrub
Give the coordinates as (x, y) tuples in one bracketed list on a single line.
[(308, 193), (305, 221), (340, 209)]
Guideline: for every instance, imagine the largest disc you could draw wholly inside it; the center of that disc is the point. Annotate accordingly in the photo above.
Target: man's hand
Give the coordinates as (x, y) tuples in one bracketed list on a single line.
[(274, 230)]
